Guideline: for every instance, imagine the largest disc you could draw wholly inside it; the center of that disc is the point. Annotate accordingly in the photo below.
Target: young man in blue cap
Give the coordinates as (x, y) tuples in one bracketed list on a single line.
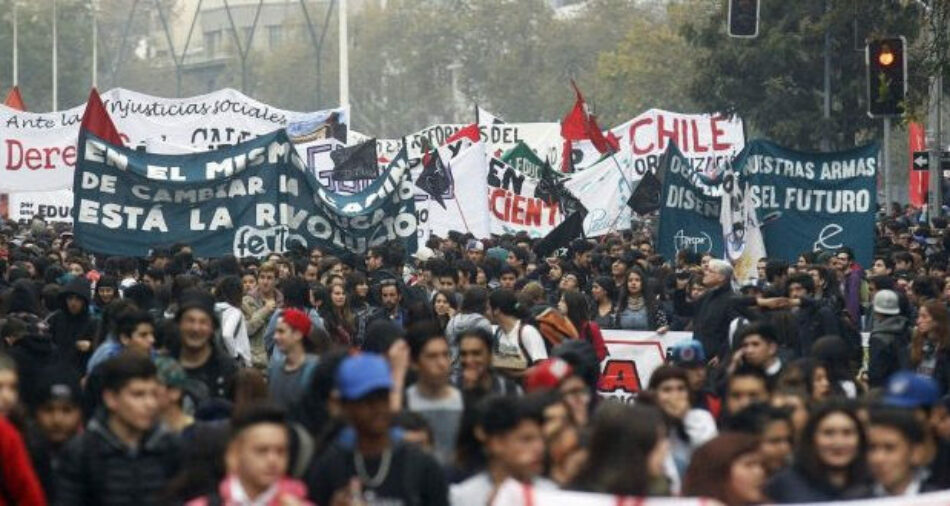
[(690, 356), (916, 395), (374, 467)]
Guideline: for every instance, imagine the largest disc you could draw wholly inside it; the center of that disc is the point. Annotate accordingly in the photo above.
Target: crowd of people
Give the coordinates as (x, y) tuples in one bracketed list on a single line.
[(430, 378)]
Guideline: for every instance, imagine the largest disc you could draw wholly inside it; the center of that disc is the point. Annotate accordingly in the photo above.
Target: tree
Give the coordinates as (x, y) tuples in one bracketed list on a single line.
[(775, 81)]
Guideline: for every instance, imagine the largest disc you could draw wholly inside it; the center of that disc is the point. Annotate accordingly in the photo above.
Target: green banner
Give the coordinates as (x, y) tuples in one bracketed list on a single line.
[(812, 201), (251, 199), (689, 212)]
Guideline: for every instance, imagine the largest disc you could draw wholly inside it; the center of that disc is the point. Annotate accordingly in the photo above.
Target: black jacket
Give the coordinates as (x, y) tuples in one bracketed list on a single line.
[(813, 321), (35, 355), (888, 349), (98, 469), (68, 328), (712, 314), (791, 485)]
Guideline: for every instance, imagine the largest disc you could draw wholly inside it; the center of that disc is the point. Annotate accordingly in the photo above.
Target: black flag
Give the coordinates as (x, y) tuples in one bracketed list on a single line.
[(434, 178), (646, 197), (571, 228), (355, 162)]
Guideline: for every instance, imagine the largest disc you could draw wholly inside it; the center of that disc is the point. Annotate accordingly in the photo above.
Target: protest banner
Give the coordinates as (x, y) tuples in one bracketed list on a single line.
[(251, 199), (690, 211), (514, 204), (632, 356), (52, 206), (543, 138), (707, 140), (812, 201), (604, 190), (515, 493), (464, 202), (38, 150)]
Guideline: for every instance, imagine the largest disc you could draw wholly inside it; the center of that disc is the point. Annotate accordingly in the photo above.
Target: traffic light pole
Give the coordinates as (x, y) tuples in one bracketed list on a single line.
[(886, 151), (935, 139)]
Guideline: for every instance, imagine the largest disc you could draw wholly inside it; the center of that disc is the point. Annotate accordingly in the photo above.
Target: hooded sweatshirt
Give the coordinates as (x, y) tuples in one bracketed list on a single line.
[(68, 328)]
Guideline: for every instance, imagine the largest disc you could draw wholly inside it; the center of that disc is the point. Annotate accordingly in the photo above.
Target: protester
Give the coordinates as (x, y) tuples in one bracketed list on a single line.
[(123, 457), (257, 460), (372, 464), (829, 462), (513, 444), (728, 469)]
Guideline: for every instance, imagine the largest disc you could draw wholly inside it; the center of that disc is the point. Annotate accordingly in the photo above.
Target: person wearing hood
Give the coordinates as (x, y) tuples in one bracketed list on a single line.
[(889, 344), (71, 325), (106, 291)]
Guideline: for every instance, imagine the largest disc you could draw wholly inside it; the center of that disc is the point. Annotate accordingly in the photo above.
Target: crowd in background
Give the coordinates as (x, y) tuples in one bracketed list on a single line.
[(431, 378)]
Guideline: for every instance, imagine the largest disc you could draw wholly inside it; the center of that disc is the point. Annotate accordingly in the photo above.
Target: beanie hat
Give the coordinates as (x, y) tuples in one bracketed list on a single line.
[(297, 320)]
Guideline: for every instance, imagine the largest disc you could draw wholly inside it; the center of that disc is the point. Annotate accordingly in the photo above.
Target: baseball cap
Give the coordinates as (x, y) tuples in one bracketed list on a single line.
[(687, 353), (362, 374), (475, 245), (58, 385), (547, 375), (885, 302), (906, 389)]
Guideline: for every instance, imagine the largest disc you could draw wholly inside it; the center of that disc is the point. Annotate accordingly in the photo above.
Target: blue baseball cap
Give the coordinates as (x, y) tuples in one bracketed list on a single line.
[(363, 374), (909, 390), (687, 353)]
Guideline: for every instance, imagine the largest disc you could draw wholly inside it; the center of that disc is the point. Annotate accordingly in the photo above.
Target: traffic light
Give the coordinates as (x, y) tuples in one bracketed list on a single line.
[(887, 76), (744, 18)]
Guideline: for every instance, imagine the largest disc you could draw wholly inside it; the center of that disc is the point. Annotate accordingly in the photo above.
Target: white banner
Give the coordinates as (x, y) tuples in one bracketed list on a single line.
[(513, 205), (604, 189), (544, 139), (38, 150), (514, 493), (52, 206), (632, 356), (465, 200)]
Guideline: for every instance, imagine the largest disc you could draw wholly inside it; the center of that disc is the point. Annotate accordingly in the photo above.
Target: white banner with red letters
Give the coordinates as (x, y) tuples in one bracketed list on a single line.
[(38, 150), (513, 493), (632, 356)]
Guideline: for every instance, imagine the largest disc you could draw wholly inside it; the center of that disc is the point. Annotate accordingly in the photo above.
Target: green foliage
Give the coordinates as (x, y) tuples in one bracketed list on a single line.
[(775, 82)]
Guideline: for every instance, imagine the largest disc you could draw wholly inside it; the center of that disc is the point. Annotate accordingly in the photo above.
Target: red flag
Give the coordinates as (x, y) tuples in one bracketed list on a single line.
[(14, 100), (470, 132), (580, 125), (96, 120), (919, 179)]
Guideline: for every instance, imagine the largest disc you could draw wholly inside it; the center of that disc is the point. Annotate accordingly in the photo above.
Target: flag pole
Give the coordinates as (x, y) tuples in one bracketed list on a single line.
[(344, 57), (95, 44), (55, 61), (16, 47)]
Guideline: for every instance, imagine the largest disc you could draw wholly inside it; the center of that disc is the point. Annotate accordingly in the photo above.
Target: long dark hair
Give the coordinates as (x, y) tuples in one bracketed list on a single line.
[(622, 437), (940, 334), (646, 291), (807, 460), (576, 309)]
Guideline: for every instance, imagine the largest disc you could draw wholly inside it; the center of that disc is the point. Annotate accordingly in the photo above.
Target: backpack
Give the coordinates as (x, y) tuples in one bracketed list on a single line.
[(555, 327)]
